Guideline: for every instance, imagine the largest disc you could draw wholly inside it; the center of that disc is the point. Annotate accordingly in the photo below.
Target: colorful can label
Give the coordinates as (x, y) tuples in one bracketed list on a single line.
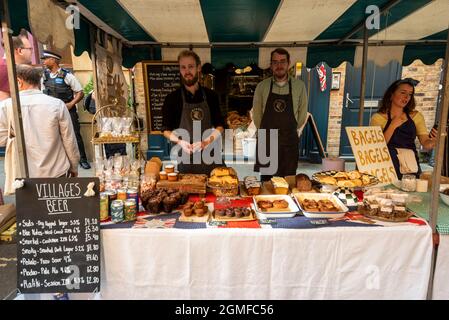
[(133, 193), (112, 195), (117, 211), (130, 209), (121, 194), (104, 206)]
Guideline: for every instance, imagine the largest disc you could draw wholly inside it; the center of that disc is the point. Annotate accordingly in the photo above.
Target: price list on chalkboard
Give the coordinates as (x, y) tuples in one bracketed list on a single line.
[(58, 248), (161, 78)]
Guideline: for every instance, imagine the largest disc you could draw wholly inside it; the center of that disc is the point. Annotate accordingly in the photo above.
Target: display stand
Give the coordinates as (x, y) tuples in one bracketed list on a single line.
[(99, 140)]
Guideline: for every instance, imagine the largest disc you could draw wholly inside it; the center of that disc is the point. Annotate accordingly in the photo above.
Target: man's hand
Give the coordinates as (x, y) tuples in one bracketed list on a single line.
[(197, 146), (186, 147), (73, 174)]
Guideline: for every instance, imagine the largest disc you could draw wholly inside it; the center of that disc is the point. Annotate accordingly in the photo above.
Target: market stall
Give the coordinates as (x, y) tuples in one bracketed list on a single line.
[(259, 247)]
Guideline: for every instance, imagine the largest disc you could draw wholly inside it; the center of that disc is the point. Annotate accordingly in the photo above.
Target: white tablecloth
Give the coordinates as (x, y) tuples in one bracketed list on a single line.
[(324, 263), (441, 278)]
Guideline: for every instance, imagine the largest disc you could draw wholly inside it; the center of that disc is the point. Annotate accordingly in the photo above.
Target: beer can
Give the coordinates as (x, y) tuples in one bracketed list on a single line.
[(133, 193), (112, 195), (121, 194), (104, 206), (117, 211), (130, 209)]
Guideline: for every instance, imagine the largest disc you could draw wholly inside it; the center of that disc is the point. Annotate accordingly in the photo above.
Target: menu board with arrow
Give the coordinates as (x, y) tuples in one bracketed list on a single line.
[(161, 78), (58, 235)]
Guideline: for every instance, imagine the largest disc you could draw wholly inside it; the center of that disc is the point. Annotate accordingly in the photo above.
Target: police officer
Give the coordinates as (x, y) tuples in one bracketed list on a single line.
[(62, 84)]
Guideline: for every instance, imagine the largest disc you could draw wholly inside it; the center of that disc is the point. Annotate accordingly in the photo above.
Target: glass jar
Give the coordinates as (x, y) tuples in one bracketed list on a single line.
[(408, 183)]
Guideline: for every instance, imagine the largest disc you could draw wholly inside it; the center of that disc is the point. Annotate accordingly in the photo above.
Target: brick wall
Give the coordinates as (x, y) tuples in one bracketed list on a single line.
[(335, 112), (426, 92)]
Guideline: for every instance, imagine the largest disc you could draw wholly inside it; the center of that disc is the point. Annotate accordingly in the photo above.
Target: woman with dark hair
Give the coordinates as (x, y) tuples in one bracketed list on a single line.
[(401, 124)]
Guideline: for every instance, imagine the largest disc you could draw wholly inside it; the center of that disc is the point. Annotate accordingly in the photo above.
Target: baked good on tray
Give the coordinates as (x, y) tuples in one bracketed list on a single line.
[(252, 186), (280, 185), (303, 183)]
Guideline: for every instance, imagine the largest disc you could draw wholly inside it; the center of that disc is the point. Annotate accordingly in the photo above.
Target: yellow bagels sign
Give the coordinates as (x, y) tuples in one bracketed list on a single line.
[(371, 152)]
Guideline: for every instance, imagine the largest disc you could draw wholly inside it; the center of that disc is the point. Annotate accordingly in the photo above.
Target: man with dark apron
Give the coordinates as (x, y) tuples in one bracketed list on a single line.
[(192, 120), (281, 110)]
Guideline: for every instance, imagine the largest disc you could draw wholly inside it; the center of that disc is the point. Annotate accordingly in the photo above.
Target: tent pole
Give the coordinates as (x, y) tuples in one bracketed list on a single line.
[(439, 155), (14, 90), (363, 76)]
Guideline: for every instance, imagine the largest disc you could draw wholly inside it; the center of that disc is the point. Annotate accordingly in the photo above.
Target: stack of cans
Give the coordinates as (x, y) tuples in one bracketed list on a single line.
[(119, 205)]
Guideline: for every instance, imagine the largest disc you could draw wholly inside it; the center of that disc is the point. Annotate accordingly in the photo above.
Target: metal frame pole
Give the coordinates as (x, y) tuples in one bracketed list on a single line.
[(12, 78), (439, 155), (363, 76)]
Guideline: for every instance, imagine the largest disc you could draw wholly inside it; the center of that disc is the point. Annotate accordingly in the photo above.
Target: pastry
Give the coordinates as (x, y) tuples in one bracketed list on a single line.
[(366, 179), (264, 204), (169, 204), (310, 205), (198, 205), (163, 175), (357, 182), (326, 205), (346, 184), (341, 174), (280, 204), (280, 185), (229, 213), (169, 168), (200, 212), (354, 175), (252, 186), (172, 176), (328, 180), (188, 212), (154, 205), (303, 183)]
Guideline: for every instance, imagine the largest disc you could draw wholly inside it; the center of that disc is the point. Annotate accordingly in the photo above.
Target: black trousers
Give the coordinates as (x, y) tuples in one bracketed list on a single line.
[(79, 139)]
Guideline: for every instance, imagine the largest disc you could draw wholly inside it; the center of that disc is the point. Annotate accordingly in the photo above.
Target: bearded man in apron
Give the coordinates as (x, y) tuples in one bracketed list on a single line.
[(280, 103), (192, 120)]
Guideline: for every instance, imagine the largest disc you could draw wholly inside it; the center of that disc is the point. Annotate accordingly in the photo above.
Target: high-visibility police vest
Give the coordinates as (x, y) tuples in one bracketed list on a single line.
[(56, 87)]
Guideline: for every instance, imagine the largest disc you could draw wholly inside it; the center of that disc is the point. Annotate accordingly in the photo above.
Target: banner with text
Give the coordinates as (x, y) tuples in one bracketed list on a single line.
[(371, 153)]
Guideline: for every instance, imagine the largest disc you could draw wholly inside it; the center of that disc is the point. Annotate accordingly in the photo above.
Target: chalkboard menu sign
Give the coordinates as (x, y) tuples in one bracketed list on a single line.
[(161, 78), (58, 236)]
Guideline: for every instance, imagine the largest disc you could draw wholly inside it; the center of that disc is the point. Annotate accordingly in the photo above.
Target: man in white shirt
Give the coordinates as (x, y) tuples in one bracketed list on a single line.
[(62, 84), (50, 140)]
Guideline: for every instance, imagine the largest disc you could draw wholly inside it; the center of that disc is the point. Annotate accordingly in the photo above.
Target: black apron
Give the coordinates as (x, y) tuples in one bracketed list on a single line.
[(278, 114), (403, 137), (197, 114)]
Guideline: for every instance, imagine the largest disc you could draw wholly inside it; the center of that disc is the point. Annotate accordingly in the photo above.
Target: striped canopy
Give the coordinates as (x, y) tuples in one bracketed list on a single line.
[(244, 32)]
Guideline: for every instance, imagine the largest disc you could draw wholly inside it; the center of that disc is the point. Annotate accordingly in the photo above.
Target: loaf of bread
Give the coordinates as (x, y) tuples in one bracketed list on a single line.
[(303, 183), (280, 185), (252, 186)]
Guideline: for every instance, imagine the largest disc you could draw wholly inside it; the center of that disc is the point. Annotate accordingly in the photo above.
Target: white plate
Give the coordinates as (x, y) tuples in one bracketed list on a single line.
[(293, 208), (299, 197)]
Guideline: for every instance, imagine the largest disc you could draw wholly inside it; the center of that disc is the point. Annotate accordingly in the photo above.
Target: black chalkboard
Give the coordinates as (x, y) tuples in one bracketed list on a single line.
[(58, 236), (161, 78)]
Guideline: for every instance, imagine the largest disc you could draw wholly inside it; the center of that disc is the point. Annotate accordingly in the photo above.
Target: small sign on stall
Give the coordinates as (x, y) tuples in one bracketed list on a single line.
[(58, 228), (371, 153)]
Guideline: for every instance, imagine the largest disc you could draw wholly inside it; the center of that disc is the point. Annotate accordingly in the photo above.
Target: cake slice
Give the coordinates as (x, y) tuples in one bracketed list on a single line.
[(280, 185)]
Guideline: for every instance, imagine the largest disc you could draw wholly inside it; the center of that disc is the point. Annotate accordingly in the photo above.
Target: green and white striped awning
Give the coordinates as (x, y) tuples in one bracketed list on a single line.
[(245, 31)]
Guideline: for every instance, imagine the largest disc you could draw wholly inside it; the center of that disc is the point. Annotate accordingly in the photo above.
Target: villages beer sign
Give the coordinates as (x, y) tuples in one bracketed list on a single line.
[(58, 228), (371, 153), (161, 78)]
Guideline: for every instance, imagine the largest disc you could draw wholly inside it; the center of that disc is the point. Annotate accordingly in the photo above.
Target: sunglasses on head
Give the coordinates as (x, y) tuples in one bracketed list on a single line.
[(409, 81)]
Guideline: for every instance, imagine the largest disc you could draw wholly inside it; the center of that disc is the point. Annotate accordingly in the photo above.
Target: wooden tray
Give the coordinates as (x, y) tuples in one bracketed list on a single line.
[(184, 185), (251, 217), (194, 218)]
